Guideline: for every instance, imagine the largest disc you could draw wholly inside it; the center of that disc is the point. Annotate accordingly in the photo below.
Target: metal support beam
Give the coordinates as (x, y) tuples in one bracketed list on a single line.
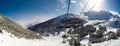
[(68, 10)]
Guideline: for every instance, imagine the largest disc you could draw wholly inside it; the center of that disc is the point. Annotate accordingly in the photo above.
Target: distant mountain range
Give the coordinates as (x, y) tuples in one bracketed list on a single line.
[(75, 19), (94, 24)]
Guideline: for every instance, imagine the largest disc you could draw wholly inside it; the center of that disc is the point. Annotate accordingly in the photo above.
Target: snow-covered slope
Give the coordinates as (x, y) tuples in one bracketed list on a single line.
[(7, 39), (105, 18), (108, 43), (16, 29)]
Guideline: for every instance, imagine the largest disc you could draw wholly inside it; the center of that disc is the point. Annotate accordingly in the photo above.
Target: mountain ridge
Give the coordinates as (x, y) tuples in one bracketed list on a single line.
[(16, 29)]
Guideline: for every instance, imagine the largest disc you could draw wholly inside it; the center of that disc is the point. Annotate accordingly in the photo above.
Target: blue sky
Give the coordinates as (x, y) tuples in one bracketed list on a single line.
[(113, 5), (18, 10)]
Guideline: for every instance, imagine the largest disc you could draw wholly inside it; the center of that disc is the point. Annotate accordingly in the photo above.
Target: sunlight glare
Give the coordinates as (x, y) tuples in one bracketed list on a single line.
[(98, 6)]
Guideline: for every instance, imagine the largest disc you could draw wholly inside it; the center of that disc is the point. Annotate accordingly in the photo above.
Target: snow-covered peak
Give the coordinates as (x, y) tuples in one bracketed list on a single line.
[(98, 15)]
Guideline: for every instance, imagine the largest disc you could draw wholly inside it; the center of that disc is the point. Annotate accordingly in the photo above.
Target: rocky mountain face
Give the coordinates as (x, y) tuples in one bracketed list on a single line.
[(79, 29), (15, 29), (53, 25)]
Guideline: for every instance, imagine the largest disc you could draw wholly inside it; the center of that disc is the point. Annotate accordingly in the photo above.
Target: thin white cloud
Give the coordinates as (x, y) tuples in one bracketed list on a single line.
[(73, 1), (81, 4), (78, 5), (62, 4), (62, 1), (34, 20)]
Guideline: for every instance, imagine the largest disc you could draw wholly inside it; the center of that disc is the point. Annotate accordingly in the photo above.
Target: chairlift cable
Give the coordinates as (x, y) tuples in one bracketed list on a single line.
[(93, 6), (84, 6)]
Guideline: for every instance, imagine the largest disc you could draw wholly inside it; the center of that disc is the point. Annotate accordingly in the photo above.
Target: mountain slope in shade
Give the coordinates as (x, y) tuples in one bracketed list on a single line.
[(51, 25), (16, 29)]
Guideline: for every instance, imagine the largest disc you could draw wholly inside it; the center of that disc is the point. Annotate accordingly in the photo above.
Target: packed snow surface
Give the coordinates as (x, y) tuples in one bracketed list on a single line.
[(7, 39)]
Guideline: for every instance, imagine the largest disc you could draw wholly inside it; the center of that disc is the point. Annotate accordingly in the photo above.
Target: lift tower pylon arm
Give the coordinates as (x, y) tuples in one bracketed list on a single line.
[(68, 10)]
